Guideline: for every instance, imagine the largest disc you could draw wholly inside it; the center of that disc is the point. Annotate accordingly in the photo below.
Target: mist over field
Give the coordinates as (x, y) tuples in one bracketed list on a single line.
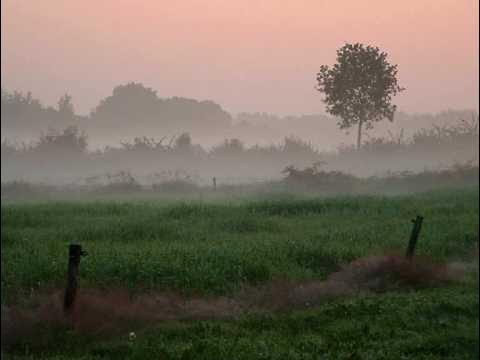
[(153, 139)]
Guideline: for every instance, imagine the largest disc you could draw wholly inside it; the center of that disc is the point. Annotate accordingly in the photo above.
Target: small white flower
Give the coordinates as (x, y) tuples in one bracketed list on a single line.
[(132, 336)]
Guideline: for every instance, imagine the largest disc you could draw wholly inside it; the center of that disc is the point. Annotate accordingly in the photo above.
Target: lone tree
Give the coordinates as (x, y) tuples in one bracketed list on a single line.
[(359, 87)]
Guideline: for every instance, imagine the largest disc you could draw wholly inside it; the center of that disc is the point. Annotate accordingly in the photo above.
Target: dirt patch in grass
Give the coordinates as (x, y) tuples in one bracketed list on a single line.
[(115, 311)]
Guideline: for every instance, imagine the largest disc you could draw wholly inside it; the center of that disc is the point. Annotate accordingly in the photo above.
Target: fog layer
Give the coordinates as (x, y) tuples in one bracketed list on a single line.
[(134, 133)]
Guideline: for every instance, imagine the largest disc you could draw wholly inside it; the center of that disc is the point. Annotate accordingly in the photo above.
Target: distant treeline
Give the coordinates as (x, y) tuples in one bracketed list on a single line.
[(133, 110), (61, 157), (131, 106)]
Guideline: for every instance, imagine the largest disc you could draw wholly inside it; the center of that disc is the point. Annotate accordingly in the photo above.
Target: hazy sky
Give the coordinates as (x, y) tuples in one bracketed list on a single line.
[(247, 55)]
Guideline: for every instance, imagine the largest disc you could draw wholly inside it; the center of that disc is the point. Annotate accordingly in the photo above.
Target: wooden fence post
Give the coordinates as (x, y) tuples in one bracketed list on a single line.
[(75, 252), (417, 226)]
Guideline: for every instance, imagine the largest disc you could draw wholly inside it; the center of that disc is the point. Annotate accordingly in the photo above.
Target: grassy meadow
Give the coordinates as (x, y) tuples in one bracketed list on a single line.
[(216, 248)]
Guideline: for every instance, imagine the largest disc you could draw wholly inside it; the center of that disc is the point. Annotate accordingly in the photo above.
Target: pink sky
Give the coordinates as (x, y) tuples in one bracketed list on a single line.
[(246, 55)]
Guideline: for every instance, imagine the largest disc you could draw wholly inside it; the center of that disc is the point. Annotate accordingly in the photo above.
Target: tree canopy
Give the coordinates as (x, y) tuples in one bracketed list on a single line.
[(359, 87), (134, 106)]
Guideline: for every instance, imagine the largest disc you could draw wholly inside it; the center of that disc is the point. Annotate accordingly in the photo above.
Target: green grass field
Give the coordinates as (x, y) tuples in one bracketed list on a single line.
[(216, 248)]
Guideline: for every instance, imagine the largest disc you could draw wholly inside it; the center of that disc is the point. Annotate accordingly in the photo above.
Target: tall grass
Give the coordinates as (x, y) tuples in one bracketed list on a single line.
[(218, 247)]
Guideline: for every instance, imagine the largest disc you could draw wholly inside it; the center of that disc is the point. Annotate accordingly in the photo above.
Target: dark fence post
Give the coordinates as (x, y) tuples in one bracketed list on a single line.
[(417, 226), (214, 180), (75, 252)]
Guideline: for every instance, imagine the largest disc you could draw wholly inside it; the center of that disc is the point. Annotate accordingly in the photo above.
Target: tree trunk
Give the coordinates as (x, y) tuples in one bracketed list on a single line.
[(359, 135)]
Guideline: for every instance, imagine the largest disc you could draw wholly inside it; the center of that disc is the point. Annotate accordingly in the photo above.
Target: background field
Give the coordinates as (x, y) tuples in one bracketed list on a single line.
[(216, 248)]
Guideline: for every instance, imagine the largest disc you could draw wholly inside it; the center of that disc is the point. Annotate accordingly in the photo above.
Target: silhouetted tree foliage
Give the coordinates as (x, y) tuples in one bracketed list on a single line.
[(69, 140), (183, 142), (359, 87), (134, 106), (141, 144), (199, 116), (464, 132), (230, 147), (313, 177), (129, 104), (132, 109), (295, 145), (23, 115)]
